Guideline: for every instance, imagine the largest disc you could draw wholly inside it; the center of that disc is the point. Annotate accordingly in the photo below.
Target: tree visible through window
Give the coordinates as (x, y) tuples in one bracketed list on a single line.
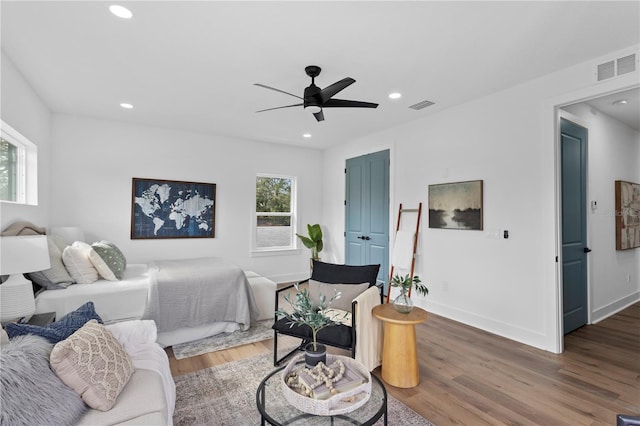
[(275, 199), (8, 171)]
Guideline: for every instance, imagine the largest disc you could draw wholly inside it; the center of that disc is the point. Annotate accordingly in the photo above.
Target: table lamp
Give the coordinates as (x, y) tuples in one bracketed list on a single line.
[(20, 255)]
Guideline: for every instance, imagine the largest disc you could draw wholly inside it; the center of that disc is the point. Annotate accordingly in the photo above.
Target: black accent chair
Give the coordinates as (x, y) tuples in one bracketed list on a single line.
[(340, 336)]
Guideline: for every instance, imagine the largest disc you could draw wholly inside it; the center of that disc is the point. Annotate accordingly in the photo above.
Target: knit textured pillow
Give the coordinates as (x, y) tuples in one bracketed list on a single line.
[(108, 260), (93, 363)]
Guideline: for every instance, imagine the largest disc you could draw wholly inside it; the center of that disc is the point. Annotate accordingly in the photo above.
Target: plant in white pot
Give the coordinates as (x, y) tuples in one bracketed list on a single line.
[(403, 302), (313, 241), (306, 312)]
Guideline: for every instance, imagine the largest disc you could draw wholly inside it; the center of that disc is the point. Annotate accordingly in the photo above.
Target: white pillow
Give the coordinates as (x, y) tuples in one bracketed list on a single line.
[(348, 292), (76, 259)]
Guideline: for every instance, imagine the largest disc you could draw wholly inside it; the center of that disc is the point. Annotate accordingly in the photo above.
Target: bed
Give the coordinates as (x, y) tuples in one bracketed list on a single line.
[(188, 312), (189, 299)]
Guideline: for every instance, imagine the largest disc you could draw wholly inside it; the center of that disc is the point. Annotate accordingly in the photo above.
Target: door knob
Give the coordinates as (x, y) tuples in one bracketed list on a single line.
[(367, 238), (587, 249)]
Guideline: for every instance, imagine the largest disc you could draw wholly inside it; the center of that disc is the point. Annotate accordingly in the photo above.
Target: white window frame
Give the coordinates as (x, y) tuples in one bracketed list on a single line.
[(280, 250), (26, 167)]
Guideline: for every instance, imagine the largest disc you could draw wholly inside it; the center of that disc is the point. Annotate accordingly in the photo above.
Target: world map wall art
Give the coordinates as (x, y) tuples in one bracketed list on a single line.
[(172, 209)]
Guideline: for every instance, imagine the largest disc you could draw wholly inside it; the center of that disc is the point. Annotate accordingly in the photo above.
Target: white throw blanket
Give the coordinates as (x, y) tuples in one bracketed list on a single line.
[(368, 329), (138, 338), (193, 292)]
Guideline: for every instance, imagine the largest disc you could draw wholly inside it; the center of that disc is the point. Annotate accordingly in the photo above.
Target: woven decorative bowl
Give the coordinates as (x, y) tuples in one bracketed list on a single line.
[(341, 403)]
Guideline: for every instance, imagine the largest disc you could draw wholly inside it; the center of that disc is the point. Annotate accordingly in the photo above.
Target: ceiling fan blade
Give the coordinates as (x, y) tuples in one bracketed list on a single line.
[(277, 90), (286, 106), (343, 103), (329, 91), (319, 116)]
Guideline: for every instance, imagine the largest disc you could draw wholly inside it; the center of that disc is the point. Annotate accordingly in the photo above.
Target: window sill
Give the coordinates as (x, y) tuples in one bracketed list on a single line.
[(275, 252)]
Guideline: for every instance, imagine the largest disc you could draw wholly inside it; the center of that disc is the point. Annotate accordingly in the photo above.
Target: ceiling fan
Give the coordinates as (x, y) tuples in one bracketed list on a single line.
[(315, 99)]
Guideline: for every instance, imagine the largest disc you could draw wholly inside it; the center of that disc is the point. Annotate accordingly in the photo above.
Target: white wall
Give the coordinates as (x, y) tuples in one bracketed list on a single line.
[(23, 110), (95, 160), (614, 154), (507, 286)]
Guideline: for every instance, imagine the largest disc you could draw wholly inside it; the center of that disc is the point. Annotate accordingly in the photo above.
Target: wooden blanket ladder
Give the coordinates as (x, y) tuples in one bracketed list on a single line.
[(415, 242)]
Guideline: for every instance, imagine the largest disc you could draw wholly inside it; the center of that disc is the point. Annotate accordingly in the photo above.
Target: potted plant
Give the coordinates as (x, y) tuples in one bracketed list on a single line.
[(306, 312), (313, 241), (403, 302)]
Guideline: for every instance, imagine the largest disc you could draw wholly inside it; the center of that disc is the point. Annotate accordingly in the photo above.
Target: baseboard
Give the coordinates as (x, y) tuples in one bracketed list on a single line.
[(509, 331), (614, 307)]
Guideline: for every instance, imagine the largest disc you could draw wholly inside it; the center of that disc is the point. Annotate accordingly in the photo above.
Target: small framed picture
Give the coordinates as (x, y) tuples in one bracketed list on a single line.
[(456, 205)]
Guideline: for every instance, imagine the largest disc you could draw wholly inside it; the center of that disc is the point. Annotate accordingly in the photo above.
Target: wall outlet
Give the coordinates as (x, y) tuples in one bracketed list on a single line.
[(494, 234)]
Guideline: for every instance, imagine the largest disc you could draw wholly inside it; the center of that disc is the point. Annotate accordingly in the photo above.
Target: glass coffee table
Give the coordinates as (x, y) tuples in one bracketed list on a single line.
[(276, 410)]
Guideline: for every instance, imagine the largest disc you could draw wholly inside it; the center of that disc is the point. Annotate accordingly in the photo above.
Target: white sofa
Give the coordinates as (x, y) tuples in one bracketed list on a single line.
[(148, 398)]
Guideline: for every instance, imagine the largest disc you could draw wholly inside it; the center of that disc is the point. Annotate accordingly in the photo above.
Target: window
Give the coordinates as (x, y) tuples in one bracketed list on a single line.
[(18, 167), (274, 225)]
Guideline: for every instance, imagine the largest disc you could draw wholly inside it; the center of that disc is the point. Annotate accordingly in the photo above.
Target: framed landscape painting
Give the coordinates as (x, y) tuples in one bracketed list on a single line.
[(456, 205), (627, 215), (172, 209)]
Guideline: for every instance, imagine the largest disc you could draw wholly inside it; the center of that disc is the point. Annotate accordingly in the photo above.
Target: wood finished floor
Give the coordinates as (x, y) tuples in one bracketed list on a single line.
[(470, 377)]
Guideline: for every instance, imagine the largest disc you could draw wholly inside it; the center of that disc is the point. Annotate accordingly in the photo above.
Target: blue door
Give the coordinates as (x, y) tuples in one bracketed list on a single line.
[(367, 212), (573, 139)]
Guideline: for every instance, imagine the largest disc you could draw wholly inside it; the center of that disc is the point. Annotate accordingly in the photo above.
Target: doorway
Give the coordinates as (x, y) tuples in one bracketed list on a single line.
[(588, 108)]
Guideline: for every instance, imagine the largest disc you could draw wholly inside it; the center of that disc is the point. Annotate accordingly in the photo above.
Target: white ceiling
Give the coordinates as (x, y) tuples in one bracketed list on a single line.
[(192, 65)]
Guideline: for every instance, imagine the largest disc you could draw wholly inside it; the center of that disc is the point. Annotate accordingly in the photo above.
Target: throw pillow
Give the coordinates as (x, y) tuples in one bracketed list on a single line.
[(108, 260), (348, 293), (57, 330), (76, 259), (32, 394), (56, 277), (93, 363)]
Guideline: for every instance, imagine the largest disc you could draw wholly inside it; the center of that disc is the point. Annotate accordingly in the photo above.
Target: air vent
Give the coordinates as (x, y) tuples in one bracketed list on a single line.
[(626, 65), (616, 67), (606, 70), (421, 105)]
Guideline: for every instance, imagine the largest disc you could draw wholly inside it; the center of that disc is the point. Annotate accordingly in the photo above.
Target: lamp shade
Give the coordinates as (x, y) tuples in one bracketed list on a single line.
[(70, 234), (20, 255)]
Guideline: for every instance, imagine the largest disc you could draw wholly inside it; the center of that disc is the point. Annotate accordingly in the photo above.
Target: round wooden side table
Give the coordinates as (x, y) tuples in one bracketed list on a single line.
[(400, 353)]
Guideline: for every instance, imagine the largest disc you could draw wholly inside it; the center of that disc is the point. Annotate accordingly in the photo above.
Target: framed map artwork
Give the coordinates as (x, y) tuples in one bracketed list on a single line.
[(627, 215), (172, 209)]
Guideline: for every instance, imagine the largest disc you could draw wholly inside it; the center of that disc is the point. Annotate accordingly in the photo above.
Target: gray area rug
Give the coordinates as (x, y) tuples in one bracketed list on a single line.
[(225, 395), (259, 331)]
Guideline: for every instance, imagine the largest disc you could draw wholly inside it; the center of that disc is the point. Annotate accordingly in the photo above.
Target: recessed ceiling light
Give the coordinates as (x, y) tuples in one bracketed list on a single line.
[(120, 11), (126, 105), (395, 95), (306, 135), (620, 102)]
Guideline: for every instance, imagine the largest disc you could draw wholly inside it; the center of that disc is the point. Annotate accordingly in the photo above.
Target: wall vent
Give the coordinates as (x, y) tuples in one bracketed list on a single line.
[(626, 65), (616, 67), (421, 105)]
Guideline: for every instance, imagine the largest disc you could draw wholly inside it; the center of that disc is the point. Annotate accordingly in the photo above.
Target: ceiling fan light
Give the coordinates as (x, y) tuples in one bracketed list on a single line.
[(314, 109)]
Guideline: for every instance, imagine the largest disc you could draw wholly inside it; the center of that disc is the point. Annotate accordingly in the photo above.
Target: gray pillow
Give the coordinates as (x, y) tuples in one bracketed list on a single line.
[(56, 277), (32, 394), (349, 292)]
